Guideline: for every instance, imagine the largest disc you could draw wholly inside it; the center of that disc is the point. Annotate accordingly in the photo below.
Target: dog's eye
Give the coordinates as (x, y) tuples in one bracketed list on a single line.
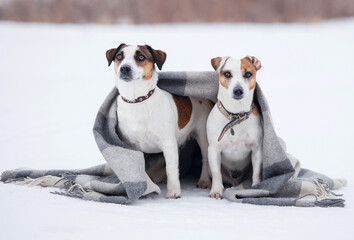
[(119, 57), (141, 57), (248, 74), (227, 74)]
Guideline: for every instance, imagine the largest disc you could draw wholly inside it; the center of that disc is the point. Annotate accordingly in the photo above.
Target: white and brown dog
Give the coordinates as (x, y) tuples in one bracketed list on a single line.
[(153, 120), (234, 126)]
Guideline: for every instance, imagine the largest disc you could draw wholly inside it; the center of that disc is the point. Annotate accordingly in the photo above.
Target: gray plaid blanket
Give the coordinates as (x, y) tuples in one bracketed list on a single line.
[(124, 178)]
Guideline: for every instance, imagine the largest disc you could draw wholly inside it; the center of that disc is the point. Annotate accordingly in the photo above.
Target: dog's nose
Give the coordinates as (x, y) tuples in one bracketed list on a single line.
[(126, 72), (238, 92), (125, 69)]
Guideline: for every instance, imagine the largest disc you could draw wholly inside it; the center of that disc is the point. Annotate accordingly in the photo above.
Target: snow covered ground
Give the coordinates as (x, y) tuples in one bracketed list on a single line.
[(53, 78)]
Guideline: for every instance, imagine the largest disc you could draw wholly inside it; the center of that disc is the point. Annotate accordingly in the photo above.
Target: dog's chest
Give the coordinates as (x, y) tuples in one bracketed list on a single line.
[(235, 149), (146, 125), (139, 133)]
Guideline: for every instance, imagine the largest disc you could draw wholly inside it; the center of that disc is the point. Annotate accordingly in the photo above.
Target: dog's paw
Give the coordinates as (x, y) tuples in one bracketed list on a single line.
[(204, 183), (216, 194), (172, 194)]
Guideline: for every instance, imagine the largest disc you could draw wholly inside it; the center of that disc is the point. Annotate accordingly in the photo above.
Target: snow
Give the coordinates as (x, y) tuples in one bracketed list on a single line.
[(53, 78)]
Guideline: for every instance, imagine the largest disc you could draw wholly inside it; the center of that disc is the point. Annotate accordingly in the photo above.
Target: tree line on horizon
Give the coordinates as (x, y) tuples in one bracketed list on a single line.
[(172, 11)]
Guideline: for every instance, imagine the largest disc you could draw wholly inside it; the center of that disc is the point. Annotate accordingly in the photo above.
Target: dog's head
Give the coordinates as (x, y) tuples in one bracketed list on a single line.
[(135, 62), (238, 77)]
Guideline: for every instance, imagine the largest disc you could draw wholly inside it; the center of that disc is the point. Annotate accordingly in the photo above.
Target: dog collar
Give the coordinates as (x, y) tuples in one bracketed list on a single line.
[(235, 118), (141, 98)]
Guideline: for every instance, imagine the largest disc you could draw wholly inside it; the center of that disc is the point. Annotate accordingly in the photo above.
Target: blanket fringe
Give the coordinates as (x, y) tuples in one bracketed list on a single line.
[(67, 194), (323, 190), (75, 190), (72, 189), (325, 197), (45, 181), (66, 181)]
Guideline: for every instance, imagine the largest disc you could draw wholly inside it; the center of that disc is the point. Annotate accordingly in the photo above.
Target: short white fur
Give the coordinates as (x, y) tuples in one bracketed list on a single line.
[(234, 152), (226, 95), (151, 126)]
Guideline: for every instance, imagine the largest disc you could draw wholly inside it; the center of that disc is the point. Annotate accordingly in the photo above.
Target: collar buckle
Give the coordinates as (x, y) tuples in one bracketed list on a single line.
[(235, 118)]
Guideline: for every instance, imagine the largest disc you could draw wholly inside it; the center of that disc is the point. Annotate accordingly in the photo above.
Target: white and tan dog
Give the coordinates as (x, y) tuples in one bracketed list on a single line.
[(234, 126), (153, 120)]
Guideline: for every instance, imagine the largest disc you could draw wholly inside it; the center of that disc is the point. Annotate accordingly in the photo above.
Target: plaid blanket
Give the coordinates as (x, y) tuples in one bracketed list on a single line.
[(124, 179)]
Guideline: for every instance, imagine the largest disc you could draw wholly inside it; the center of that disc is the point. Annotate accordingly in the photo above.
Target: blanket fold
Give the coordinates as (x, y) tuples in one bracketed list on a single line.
[(124, 179)]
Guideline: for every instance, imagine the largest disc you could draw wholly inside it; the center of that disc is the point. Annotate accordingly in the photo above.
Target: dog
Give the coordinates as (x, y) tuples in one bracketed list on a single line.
[(153, 120), (234, 126)]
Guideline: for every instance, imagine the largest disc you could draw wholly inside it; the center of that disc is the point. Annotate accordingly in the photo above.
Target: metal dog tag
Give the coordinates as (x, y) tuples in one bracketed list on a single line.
[(232, 131)]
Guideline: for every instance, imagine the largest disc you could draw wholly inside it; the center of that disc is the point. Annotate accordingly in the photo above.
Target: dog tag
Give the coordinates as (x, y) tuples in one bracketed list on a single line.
[(232, 131)]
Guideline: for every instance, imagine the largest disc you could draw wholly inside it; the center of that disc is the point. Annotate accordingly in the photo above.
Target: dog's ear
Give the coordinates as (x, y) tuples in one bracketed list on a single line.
[(215, 62), (111, 53), (158, 55), (218, 62), (255, 62)]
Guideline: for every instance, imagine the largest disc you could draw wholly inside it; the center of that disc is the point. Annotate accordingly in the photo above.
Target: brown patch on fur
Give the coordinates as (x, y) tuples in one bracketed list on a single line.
[(184, 110), (200, 101), (225, 82), (215, 62), (116, 65), (112, 53), (255, 111), (159, 57), (147, 64), (246, 66), (148, 70), (255, 62)]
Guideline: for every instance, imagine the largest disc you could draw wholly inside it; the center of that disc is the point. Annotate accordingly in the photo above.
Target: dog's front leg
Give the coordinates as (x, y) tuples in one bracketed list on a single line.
[(214, 157), (257, 165), (170, 152)]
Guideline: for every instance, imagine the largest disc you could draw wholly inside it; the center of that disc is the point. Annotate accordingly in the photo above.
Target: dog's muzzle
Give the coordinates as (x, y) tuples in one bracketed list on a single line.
[(126, 72), (238, 93)]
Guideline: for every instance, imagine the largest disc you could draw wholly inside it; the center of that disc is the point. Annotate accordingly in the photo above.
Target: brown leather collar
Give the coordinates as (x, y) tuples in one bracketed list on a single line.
[(235, 118), (141, 98)]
